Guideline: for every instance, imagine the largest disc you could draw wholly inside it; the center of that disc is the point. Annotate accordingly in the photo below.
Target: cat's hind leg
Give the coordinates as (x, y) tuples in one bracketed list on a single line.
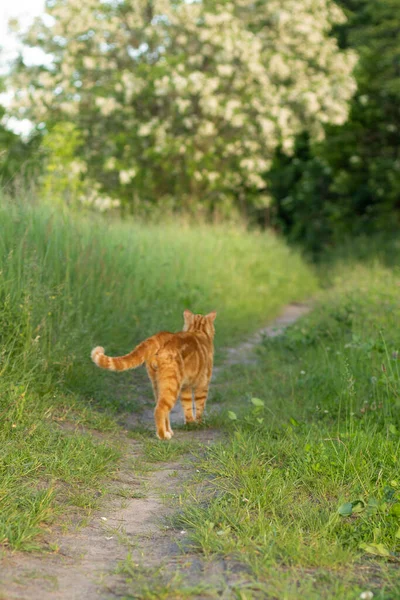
[(153, 378), (169, 370), (168, 391), (166, 399), (187, 404), (152, 373)]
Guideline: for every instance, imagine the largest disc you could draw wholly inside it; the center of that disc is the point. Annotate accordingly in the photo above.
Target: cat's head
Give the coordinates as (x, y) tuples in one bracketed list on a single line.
[(203, 323)]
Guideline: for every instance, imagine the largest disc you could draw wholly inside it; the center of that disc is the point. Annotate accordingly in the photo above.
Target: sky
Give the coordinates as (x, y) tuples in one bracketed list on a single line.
[(25, 11)]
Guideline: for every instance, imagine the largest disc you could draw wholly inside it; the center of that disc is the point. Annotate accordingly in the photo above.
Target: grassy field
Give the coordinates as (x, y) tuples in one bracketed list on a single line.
[(69, 282), (306, 490)]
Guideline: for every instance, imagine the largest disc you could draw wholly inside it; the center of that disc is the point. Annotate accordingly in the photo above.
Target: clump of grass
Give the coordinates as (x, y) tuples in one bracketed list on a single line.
[(38, 461), (309, 479), (157, 584), (158, 451)]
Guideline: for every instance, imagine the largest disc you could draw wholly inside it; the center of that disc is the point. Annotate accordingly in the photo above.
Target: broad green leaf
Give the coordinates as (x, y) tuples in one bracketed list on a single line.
[(392, 429), (257, 402), (346, 509), (395, 510), (376, 549), (373, 505), (232, 415)]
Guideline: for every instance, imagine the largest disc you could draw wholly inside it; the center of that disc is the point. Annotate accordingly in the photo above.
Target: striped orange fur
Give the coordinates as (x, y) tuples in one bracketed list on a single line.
[(177, 363)]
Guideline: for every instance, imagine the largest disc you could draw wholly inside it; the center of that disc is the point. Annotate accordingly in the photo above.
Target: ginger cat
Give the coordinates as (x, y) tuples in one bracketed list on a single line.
[(176, 363)]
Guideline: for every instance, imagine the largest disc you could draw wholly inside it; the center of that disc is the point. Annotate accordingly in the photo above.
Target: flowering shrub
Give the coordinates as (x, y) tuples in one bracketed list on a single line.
[(186, 100)]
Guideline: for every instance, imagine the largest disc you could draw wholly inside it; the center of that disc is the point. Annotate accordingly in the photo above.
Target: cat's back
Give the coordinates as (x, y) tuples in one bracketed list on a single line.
[(189, 346), (182, 342), (190, 351)]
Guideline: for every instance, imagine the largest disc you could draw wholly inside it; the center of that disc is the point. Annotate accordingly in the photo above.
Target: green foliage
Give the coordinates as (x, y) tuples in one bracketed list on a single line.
[(67, 283), (350, 183), (304, 207), (308, 479), (62, 171)]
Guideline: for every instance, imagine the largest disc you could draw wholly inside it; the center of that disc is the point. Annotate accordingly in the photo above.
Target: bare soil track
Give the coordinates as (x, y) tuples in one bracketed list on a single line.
[(134, 531)]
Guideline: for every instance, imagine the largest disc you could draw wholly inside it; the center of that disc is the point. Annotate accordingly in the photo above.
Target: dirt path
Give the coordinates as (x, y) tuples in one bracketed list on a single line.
[(131, 534)]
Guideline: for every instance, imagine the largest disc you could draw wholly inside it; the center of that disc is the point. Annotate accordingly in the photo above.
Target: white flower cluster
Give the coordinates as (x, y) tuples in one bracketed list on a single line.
[(126, 177), (93, 199)]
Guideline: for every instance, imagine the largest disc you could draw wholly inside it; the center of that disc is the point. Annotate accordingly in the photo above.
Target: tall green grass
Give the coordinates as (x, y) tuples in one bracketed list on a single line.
[(68, 282), (308, 483)]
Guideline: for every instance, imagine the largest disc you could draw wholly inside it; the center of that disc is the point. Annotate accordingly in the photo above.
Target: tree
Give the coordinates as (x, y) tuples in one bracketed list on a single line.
[(182, 103), (350, 183)]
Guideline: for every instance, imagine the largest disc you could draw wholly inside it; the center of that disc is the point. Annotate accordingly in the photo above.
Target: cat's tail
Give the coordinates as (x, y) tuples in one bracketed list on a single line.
[(130, 361)]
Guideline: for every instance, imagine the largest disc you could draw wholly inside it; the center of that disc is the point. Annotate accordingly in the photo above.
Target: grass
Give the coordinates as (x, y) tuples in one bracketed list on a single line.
[(69, 282), (306, 491), (158, 451), (141, 583), (304, 494)]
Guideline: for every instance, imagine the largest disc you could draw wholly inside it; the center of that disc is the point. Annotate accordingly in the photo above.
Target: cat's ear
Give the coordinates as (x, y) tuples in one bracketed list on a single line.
[(187, 318), (211, 316)]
